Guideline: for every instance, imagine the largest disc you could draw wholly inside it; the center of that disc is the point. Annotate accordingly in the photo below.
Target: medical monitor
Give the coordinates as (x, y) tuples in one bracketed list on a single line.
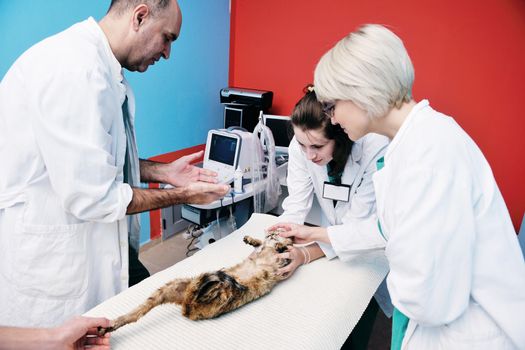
[(223, 149), (279, 126), (222, 153), (245, 116), (232, 116)]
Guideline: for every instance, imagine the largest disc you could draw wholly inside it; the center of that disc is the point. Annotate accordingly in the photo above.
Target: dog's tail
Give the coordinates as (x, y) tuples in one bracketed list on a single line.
[(172, 292)]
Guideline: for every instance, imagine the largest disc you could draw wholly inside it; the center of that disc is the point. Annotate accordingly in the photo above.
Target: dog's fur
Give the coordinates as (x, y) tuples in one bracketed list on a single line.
[(214, 293)]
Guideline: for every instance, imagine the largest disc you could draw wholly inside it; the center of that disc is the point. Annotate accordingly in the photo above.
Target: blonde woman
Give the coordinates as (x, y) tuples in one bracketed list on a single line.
[(457, 275)]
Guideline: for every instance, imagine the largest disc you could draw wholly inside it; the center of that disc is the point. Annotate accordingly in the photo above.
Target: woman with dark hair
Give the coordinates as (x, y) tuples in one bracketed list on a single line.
[(324, 162)]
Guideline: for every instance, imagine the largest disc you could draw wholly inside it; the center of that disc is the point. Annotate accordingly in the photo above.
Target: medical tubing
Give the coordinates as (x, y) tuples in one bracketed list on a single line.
[(218, 221), (256, 166), (233, 223), (267, 197)]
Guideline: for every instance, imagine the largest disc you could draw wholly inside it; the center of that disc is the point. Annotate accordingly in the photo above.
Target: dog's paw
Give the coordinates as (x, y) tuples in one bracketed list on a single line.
[(101, 331), (252, 241)]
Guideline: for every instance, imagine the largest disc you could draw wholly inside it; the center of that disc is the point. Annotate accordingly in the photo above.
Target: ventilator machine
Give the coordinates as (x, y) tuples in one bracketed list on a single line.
[(229, 151)]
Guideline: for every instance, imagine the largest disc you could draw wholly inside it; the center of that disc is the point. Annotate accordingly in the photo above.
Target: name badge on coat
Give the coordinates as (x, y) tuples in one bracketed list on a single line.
[(336, 192)]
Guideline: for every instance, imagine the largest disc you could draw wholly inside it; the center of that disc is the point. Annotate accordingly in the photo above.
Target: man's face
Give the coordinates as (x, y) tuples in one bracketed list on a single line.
[(153, 38)]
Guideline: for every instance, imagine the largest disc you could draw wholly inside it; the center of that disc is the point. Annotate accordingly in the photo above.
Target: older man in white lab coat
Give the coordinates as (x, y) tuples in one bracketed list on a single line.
[(70, 171)]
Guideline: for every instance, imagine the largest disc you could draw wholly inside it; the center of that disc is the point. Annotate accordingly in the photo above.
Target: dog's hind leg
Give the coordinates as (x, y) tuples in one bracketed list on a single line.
[(172, 292)]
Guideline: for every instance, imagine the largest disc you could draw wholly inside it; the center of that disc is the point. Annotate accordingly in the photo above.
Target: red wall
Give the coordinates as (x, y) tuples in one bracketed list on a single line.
[(469, 59)]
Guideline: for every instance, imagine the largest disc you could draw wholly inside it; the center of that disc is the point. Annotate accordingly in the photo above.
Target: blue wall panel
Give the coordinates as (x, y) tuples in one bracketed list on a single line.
[(177, 100)]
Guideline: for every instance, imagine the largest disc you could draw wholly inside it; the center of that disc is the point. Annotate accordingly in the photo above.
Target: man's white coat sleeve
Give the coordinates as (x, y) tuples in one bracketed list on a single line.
[(72, 130)]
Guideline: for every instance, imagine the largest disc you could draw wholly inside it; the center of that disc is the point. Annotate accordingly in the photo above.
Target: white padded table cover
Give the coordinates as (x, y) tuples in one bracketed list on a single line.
[(316, 308)]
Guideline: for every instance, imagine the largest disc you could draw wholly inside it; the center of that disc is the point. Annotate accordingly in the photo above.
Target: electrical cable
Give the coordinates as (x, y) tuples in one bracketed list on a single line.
[(218, 221), (195, 231), (233, 222)]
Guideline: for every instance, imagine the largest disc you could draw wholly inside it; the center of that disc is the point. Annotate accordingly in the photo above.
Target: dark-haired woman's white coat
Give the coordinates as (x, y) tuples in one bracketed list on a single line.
[(351, 226)]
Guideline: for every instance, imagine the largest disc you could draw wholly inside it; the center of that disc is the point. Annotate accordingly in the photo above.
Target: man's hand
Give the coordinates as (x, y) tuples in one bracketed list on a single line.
[(204, 193), (181, 172), (194, 193)]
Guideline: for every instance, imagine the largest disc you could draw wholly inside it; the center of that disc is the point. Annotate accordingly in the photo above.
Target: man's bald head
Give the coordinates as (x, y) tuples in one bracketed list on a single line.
[(118, 7)]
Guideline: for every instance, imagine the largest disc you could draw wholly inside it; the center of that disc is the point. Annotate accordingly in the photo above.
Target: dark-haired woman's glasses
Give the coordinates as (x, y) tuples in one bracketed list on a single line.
[(328, 109)]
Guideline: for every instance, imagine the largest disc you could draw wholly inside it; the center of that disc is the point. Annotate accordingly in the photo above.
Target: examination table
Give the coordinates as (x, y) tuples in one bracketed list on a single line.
[(316, 308)]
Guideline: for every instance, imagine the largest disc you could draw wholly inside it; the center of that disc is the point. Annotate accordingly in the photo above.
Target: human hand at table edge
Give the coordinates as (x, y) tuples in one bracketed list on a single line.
[(301, 234), (76, 333), (82, 332)]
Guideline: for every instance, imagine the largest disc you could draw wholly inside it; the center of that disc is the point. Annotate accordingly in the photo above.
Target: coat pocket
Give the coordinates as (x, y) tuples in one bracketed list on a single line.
[(51, 261)]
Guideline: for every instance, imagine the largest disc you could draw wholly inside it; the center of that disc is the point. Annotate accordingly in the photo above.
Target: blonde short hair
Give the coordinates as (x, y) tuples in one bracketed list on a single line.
[(369, 67)]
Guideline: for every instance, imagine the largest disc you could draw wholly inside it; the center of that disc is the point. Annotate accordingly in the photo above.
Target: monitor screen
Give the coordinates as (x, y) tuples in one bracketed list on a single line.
[(279, 126), (222, 149), (232, 117)]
